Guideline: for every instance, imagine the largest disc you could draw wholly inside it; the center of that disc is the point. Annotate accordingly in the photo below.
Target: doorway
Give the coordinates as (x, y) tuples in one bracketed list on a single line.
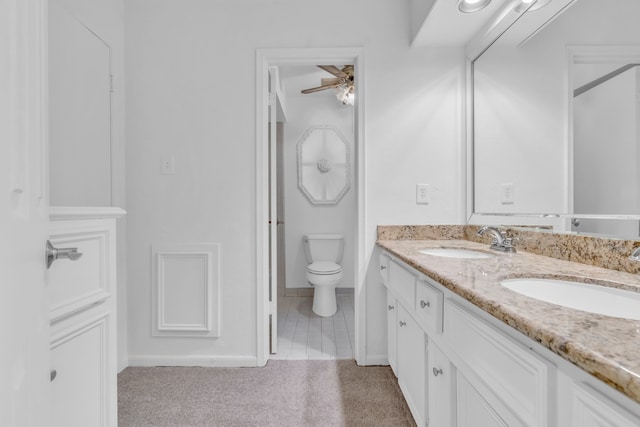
[(266, 181), (314, 174)]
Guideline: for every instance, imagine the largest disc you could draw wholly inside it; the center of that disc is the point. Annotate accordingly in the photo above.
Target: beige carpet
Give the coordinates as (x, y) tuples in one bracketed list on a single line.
[(284, 393)]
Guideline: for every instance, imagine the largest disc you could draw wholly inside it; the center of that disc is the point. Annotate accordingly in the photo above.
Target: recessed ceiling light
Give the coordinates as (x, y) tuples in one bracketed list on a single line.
[(524, 4), (470, 6)]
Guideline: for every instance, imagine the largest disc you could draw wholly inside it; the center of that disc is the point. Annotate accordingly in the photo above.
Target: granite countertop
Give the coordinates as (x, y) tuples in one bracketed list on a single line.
[(606, 347)]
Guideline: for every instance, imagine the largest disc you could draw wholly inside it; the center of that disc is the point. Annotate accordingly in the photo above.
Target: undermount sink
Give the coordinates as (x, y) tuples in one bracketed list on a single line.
[(455, 253), (580, 296)]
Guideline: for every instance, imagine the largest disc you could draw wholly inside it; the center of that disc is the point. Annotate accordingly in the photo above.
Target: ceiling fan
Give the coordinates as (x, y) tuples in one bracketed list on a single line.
[(342, 82)]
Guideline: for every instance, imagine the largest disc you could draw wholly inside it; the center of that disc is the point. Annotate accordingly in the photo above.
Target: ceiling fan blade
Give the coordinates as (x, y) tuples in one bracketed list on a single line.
[(330, 81), (334, 70), (319, 88)]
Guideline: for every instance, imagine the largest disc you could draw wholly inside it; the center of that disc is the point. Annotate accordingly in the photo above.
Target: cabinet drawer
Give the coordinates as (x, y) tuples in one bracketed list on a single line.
[(384, 269), (76, 285), (403, 284), (429, 302), (515, 375)]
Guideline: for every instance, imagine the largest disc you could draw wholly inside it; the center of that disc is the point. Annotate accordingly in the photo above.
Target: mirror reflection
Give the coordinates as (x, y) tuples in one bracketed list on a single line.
[(557, 118)]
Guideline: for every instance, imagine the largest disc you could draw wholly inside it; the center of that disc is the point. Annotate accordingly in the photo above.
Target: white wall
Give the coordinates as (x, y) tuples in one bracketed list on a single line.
[(106, 19), (300, 215), (191, 95), (414, 135)]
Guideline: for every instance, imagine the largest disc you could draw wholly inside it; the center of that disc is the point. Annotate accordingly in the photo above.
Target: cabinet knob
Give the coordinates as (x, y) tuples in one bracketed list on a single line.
[(53, 374), (402, 323), (437, 372), (425, 304), (390, 307), (383, 267)]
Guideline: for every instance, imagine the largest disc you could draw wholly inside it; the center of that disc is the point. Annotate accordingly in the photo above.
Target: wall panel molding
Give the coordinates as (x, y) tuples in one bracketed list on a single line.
[(185, 290)]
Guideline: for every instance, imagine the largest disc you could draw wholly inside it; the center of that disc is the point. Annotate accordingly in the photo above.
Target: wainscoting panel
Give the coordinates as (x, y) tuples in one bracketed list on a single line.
[(186, 290)]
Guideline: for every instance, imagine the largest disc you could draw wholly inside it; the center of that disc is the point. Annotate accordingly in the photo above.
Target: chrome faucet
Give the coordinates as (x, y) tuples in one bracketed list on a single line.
[(635, 256), (500, 241)]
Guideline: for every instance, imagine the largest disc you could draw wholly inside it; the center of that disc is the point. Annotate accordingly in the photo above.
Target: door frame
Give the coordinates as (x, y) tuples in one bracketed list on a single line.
[(266, 57)]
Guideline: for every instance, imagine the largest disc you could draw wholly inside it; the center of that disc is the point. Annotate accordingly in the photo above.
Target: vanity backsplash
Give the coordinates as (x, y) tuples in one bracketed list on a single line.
[(602, 252)]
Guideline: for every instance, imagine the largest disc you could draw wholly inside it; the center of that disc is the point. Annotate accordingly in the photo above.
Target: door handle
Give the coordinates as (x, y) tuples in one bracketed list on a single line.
[(61, 253)]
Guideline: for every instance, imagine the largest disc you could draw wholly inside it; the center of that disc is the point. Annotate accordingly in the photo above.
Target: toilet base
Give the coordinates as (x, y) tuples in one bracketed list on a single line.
[(324, 301)]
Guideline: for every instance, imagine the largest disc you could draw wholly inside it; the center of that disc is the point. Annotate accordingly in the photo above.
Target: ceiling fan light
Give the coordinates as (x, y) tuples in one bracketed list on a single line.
[(350, 99), (344, 95), (470, 6)]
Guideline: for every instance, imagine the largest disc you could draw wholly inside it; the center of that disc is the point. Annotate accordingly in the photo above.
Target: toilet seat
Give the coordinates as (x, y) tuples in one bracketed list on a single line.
[(324, 268)]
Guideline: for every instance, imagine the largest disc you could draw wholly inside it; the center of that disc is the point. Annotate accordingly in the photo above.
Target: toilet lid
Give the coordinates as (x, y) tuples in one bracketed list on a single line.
[(324, 267)]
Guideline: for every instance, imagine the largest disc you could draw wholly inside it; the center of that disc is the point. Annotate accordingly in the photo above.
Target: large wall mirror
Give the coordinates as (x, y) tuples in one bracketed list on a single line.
[(556, 119)]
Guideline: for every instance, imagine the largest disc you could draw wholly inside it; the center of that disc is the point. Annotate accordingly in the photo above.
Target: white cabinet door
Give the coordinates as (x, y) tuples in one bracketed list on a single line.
[(412, 364), (82, 390), (392, 336), (592, 409), (510, 376), (471, 409), (440, 374)]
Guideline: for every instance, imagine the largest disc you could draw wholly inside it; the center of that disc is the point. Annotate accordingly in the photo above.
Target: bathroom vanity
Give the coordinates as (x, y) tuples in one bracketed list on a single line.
[(468, 351)]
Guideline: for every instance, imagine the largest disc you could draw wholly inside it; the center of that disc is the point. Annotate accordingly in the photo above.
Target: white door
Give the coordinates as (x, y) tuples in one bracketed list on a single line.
[(24, 321), (273, 213)]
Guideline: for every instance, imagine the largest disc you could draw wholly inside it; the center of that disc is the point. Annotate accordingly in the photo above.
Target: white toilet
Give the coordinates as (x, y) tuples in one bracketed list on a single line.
[(324, 272)]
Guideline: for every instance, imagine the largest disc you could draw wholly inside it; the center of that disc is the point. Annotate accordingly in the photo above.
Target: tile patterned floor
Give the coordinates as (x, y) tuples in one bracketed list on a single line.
[(304, 335)]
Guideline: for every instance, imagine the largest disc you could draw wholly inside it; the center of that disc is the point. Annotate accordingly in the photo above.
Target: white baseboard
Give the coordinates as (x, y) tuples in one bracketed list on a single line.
[(207, 361), (122, 364)]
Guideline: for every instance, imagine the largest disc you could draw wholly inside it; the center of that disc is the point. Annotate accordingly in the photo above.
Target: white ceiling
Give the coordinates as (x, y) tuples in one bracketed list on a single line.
[(445, 25)]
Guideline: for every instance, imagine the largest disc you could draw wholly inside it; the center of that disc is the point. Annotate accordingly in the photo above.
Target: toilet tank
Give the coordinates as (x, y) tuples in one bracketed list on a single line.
[(323, 247)]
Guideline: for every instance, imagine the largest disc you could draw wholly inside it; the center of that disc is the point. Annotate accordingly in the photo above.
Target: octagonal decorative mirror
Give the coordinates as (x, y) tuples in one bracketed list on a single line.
[(323, 165)]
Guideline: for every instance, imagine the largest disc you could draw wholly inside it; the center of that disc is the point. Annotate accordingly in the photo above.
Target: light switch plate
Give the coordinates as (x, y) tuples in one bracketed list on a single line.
[(422, 194), (168, 165), (506, 194)]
